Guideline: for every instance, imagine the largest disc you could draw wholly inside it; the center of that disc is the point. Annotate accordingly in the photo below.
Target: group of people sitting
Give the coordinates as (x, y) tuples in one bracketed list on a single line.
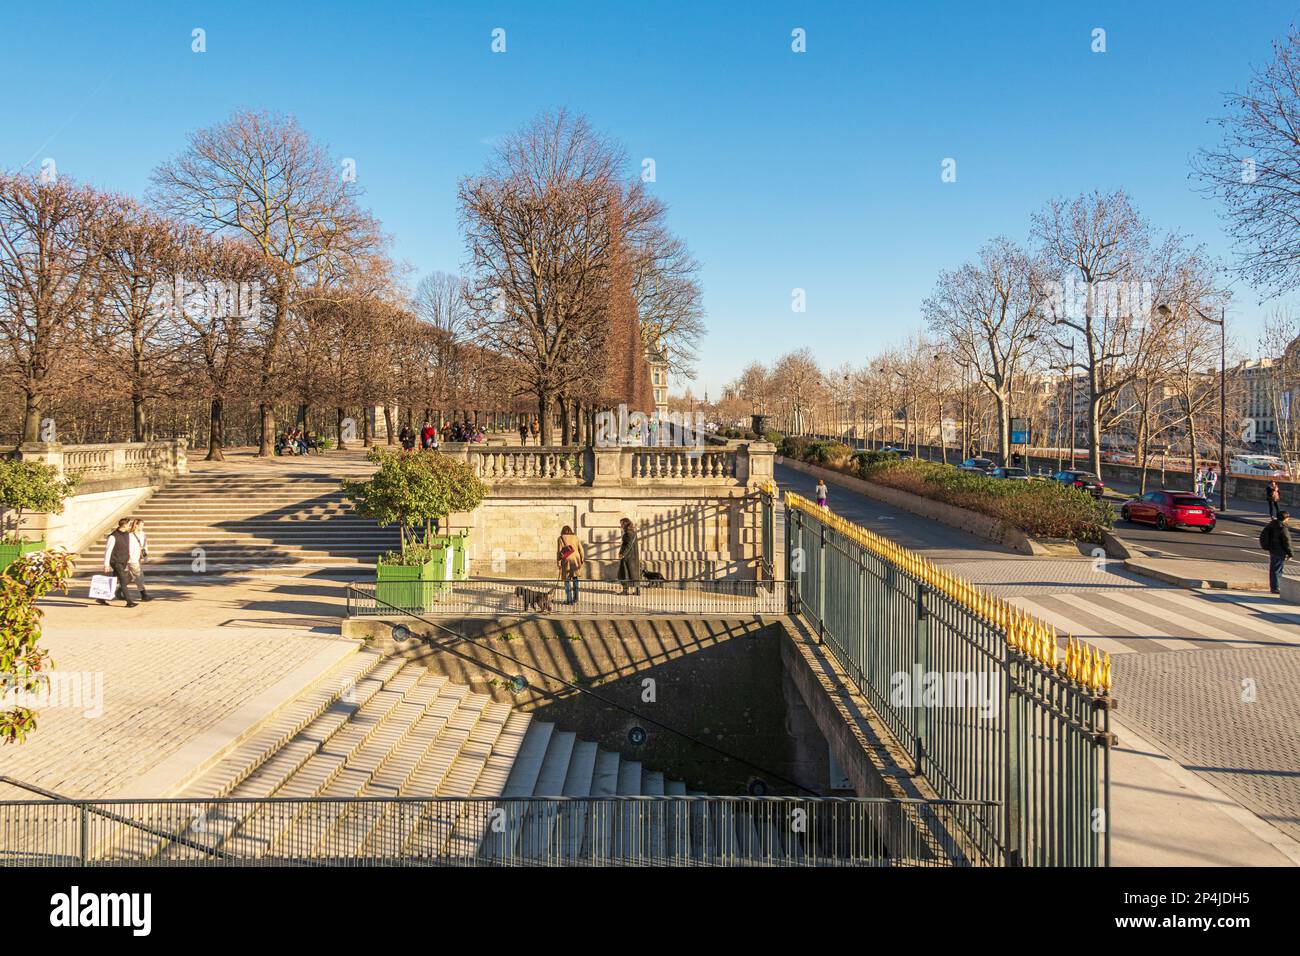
[(427, 437), (296, 442)]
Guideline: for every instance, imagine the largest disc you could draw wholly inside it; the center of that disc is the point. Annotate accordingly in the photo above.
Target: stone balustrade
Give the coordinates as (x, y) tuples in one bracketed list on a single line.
[(114, 479), (730, 464)]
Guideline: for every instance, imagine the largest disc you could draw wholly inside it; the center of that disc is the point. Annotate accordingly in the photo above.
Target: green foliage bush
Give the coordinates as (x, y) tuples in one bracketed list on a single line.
[(831, 453), (414, 491), (1045, 509), (30, 486)]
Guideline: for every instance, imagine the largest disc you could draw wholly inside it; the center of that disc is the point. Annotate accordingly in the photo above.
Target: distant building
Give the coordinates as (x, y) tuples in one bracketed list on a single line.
[(659, 379)]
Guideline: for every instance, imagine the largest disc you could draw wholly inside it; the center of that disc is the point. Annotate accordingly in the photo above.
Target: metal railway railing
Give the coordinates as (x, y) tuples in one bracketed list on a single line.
[(489, 597), (974, 687), (452, 831)]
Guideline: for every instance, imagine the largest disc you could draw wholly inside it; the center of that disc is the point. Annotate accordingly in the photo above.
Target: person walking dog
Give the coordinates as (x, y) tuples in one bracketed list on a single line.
[(629, 559), (569, 557), (121, 553), (1276, 540)]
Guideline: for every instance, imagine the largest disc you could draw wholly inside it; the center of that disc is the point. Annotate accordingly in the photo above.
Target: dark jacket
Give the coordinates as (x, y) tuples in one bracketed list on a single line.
[(1278, 538), (629, 558)]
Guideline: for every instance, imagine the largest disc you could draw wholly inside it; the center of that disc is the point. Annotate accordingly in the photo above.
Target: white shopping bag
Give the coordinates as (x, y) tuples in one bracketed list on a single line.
[(103, 587)]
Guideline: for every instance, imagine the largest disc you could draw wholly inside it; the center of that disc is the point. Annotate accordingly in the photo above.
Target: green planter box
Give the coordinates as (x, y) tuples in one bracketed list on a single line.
[(410, 587), (9, 553), (418, 587)]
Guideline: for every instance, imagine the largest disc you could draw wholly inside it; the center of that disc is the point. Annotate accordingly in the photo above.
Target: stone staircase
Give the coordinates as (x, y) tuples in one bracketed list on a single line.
[(247, 519), (383, 727)]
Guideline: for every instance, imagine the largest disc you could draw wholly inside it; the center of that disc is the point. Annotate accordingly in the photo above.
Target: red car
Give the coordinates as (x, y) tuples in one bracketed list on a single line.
[(1171, 509)]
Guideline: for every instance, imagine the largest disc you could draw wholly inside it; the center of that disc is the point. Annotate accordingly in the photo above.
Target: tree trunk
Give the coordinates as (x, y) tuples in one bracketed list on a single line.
[(1094, 432), (565, 437), (338, 427), (544, 402), (1004, 428), (32, 418), (366, 438), (216, 430), (388, 425)]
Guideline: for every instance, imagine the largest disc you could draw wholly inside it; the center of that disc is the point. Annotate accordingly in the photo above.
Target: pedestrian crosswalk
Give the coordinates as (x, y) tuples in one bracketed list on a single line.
[(1128, 621)]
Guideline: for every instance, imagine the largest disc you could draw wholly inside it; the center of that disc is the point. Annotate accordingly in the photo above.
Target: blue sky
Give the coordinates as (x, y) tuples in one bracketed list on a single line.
[(818, 171)]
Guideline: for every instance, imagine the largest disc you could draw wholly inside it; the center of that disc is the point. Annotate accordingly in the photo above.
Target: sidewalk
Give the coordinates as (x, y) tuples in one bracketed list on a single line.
[(163, 686)]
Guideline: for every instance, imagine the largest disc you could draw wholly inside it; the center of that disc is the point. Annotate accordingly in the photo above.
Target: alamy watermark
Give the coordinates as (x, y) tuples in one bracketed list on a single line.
[(73, 690), (656, 429), (951, 690)]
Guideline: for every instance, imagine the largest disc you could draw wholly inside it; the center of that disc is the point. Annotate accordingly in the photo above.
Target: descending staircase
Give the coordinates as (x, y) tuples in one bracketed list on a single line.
[(218, 521), (382, 727)]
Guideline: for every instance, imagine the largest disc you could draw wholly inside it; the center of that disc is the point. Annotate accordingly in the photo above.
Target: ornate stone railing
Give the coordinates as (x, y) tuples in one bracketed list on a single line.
[(744, 464), (678, 463), (495, 463), (122, 462)]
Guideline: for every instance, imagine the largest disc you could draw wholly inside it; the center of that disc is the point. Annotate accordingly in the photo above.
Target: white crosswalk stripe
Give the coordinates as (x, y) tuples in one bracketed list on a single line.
[(1188, 620)]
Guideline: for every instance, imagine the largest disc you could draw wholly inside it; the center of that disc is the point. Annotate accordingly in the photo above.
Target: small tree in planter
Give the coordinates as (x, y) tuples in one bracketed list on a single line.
[(415, 492), (28, 486), (23, 663)]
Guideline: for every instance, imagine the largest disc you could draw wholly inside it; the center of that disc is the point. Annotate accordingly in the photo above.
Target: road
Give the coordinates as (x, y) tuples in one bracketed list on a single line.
[(1235, 538), (1206, 773)]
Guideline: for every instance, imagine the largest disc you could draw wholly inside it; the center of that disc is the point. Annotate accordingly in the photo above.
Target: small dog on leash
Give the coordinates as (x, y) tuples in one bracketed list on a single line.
[(538, 601), (654, 579)]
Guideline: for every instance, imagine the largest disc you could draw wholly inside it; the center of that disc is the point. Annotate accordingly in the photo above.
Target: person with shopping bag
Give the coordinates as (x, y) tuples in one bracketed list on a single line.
[(122, 551)]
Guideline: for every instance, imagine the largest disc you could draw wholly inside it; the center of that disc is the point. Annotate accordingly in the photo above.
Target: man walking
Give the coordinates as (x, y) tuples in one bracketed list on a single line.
[(1274, 496), (1276, 539), (121, 552)]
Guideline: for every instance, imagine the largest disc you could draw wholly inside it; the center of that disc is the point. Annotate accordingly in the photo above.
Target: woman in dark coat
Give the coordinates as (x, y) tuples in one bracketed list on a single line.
[(629, 559)]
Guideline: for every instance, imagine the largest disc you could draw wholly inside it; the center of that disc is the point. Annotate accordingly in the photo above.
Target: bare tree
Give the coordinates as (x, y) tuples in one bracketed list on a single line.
[(1255, 170), (990, 310), (51, 235), (260, 176), (543, 226)]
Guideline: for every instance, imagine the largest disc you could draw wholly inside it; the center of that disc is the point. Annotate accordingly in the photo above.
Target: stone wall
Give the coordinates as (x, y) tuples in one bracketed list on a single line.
[(697, 514)]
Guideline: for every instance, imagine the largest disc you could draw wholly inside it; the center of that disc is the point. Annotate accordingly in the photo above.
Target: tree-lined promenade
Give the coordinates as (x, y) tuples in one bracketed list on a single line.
[(250, 290), (1097, 326)]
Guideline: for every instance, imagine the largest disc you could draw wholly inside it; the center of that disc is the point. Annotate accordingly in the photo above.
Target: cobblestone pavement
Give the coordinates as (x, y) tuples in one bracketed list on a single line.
[(1232, 716), (168, 670)]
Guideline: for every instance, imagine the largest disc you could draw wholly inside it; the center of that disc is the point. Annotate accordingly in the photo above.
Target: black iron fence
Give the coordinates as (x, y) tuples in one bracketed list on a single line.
[(976, 689), (452, 831), (490, 597)]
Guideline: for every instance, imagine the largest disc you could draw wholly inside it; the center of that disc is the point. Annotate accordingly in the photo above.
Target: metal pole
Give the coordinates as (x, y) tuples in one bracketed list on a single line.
[(1073, 414), (1223, 409)]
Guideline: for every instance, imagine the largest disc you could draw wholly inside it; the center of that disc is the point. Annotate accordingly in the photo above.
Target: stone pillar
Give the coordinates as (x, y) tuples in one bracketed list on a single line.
[(607, 466), (756, 464), (49, 453), (180, 458)]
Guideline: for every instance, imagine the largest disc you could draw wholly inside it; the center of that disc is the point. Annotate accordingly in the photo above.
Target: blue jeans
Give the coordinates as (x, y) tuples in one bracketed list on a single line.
[(571, 590), (1275, 564)]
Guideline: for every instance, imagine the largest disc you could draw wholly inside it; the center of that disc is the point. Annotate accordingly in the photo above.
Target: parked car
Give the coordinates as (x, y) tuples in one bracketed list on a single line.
[(1011, 474), (1119, 457), (981, 465), (1171, 509), (1085, 480)]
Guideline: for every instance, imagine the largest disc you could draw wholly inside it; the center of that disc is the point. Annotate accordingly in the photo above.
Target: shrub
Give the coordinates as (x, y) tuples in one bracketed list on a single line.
[(414, 491), (863, 460), (793, 446), (30, 486), (1045, 509), (831, 453)]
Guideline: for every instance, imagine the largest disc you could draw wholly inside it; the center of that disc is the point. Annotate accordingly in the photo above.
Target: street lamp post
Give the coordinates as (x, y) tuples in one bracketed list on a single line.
[(1222, 323)]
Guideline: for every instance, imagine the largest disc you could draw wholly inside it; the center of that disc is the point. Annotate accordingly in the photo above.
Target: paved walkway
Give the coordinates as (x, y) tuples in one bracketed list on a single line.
[(1202, 775), (163, 685)]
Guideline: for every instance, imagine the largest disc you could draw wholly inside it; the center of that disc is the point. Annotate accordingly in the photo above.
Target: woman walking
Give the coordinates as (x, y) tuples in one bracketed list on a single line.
[(821, 493), (569, 557), (141, 556), (629, 559)]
